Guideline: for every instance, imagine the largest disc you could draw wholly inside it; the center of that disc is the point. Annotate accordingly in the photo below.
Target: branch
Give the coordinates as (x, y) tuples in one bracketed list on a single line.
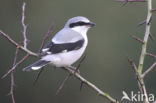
[(153, 10), (67, 77), (11, 93), (63, 83), (131, 0), (38, 75), (139, 79), (151, 37), (25, 41), (147, 32), (138, 39), (17, 45), (46, 37), (152, 55), (149, 69), (144, 48), (92, 86), (141, 23), (14, 67), (132, 65)]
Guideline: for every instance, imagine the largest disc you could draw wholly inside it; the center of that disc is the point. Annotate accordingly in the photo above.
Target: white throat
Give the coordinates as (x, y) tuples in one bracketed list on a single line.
[(82, 30)]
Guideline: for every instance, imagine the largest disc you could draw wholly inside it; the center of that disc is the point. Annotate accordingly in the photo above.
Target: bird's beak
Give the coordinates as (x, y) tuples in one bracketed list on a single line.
[(91, 24)]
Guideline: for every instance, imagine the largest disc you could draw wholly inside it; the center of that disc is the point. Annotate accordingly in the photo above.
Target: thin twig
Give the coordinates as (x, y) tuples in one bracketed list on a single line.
[(81, 85), (81, 61), (38, 75), (152, 55), (17, 45), (149, 69), (141, 23), (14, 67), (134, 67), (11, 93), (67, 77), (139, 78), (9, 38), (25, 41), (126, 1), (151, 37), (46, 37), (131, 0), (138, 39), (91, 85), (144, 22), (63, 83), (153, 10)]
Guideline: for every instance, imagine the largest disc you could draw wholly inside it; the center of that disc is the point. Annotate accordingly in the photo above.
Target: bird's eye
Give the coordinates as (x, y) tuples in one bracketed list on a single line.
[(81, 23)]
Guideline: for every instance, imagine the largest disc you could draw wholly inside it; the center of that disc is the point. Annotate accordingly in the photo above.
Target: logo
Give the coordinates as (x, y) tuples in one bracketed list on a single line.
[(136, 97)]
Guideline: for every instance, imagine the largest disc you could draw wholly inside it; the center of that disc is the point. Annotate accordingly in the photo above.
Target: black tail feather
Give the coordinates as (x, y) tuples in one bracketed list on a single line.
[(35, 66)]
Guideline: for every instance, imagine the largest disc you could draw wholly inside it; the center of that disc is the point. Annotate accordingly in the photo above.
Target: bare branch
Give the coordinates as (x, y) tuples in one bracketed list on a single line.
[(141, 23), (14, 67), (149, 69), (25, 41), (144, 48), (138, 39), (46, 37), (81, 61), (92, 86), (151, 37), (81, 85), (67, 77), (17, 45), (126, 1), (9, 38), (153, 10), (147, 32), (63, 83), (38, 75), (132, 65), (131, 0), (139, 79), (149, 54), (11, 93)]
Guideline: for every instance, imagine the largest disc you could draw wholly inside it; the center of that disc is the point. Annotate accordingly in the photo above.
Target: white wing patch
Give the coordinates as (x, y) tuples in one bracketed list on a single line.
[(45, 49), (35, 68)]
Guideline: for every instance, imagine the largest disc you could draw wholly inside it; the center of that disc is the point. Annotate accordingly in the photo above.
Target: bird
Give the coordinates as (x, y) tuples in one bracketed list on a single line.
[(67, 45)]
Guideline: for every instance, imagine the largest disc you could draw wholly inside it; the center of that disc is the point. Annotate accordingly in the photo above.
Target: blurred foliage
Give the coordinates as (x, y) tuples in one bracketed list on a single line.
[(106, 63)]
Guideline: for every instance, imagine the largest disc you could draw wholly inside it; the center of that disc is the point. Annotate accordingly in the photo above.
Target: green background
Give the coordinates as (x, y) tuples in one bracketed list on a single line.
[(106, 63)]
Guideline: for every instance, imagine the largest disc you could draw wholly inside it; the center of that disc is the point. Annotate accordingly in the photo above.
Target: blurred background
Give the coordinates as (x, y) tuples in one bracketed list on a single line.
[(106, 63)]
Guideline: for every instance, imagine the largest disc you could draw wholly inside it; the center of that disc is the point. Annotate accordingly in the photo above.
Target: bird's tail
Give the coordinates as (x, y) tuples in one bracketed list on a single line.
[(37, 65)]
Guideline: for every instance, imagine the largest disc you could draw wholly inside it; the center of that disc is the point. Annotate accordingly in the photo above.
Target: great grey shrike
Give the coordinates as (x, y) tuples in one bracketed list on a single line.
[(67, 46)]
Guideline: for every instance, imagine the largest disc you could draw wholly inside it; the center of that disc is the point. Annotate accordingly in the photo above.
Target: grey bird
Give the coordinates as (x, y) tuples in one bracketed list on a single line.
[(67, 46)]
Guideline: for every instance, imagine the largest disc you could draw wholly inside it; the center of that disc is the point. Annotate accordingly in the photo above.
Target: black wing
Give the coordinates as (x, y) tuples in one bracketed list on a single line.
[(52, 48)]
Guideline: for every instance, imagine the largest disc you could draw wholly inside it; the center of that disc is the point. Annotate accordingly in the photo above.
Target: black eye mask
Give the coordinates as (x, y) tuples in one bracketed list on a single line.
[(80, 23)]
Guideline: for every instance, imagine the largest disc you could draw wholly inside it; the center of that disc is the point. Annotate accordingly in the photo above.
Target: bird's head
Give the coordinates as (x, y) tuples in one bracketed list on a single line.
[(79, 24)]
